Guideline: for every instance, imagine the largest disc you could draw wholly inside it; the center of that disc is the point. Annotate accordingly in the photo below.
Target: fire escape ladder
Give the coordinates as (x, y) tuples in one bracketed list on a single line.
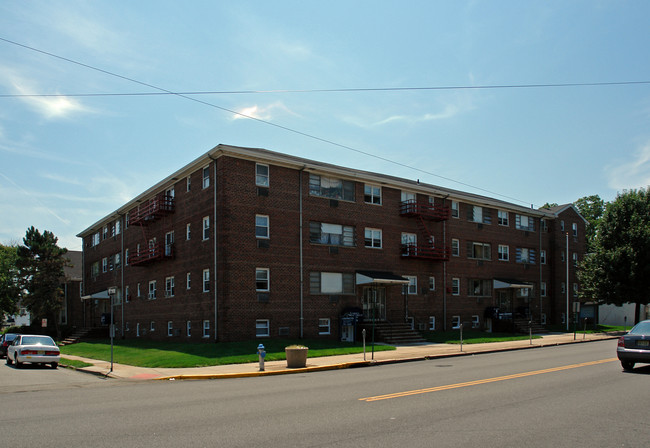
[(156, 208), (427, 247)]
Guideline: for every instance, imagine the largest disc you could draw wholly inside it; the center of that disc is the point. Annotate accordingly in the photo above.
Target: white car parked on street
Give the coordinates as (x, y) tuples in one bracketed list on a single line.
[(35, 349)]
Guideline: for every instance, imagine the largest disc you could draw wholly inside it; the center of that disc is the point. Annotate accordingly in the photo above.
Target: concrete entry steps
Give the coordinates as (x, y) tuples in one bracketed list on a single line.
[(394, 333)]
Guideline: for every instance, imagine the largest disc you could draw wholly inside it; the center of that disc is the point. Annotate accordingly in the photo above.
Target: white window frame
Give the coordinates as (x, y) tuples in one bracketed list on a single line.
[(262, 328), (262, 227), (266, 279), (455, 247), (412, 287), (188, 183), (188, 328), (543, 289), (432, 323), (476, 321), (542, 256), (152, 290), (455, 286), (503, 252), (206, 280), (503, 218), (574, 226), (206, 328), (138, 294), (152, 326), (324, 326), (206, 228), (104, 264), (261, 179), (170, 288), (206, 176), (455, 209), (455, 322), (188, 232), (372, 194), (188, 280), (375, 236), (432, 283), (170, 328)]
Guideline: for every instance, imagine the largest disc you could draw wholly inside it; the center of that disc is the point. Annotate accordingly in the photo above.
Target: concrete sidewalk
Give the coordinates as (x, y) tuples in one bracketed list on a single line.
[(403, 353)]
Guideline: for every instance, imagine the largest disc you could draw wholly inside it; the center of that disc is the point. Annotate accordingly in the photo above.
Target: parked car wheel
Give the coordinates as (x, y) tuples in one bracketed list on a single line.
[(55, 365), (9, 361), (18, 363), (627, 365)]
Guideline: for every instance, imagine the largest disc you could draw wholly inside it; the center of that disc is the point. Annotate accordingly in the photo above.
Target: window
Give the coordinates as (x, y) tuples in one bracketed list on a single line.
[(373, 238), (169, 287), (262, 328), (575, 290), (543, 319), (502, 218), (206, 227), (127, 296), (188, 280), (126, 257), (118, 227), (409, 244), (331, 234), (137, 329), (137, 291), (479, 251), (479, 214), (152, 289), (562, 256), (188, 328), (455, 286), (152, 326), (563, 288), (169, 243), (372, 194), (543, 289), (575, 259), (188, 232), (525, 255), (523, 222), (105, 233), (104, 264), (454, 209), (480, 288), (562, 225), (455, 247), (331, 283), (261, 175), (504, 252), (170, 328), (455, 322), (475, 321), (118, 260), (261, 226), (542, 256), (563, 318), (432, 323), (262, 279), (412, 287), (206, 177), (206, 280), (574, 226), (432, 283), (188, 183), (206, 328), (326, 187), (323, 326), (95, 239)]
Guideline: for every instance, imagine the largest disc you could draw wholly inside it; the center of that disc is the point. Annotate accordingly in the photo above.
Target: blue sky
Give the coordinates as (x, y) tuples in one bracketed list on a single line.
[(67, 161)]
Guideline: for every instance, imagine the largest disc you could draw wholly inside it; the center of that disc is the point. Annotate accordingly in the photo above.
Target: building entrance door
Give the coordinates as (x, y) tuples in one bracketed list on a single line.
[(374, 303)]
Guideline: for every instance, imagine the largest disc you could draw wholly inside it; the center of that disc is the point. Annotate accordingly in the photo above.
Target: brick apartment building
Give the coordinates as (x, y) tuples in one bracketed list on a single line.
[(244, 243)]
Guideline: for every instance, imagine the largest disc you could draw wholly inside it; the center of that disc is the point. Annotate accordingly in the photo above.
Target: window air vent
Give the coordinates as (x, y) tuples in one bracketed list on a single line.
[(263, 244)]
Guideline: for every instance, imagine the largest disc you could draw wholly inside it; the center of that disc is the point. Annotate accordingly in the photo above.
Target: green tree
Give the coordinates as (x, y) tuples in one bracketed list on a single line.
[(618, 268), (591, 208), (41, 264), (9, 280)]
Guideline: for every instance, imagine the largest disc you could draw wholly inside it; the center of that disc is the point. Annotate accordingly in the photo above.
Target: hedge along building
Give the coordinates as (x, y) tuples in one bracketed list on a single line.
[(245, 242)]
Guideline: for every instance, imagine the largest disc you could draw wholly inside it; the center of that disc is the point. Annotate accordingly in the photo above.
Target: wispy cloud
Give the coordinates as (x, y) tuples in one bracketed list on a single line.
[(266, 113), (631, 174), (48, 107)]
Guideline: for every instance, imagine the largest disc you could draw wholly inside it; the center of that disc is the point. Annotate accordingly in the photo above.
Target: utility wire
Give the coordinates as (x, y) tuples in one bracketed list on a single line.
[(343, 90), (186, 95)]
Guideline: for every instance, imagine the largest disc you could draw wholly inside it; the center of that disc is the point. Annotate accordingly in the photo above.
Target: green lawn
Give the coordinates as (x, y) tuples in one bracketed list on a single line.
[(142, 353)]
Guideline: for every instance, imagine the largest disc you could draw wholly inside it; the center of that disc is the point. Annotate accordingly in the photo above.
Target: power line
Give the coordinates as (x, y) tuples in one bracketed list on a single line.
[(162, 91), (342, 90)]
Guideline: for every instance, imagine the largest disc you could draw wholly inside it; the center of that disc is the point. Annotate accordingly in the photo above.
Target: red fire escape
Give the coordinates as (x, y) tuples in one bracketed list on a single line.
[(147, 213), (425, 247)]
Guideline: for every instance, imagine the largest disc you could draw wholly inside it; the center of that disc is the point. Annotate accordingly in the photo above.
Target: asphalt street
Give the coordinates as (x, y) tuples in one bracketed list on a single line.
[(572, 395)]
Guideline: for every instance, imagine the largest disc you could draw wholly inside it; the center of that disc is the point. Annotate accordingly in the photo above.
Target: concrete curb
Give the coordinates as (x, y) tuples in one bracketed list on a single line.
[(371, 363)]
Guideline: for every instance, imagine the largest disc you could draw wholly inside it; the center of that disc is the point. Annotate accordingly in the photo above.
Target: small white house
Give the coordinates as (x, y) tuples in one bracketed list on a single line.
[(621, 315)]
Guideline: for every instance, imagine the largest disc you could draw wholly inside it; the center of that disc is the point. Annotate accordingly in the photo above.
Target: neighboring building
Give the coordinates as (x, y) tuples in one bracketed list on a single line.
[(72, 313), (244, 243)]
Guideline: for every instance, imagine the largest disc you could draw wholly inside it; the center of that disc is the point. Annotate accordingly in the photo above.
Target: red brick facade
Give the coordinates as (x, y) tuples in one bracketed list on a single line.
[(291, 272)]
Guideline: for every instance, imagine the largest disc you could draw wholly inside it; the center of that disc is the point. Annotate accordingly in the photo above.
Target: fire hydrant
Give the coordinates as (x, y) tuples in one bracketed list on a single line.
[(262, 354)]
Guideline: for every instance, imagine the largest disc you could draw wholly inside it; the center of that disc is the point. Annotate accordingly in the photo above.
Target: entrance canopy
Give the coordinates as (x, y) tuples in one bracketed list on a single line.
[(501, 283), (98, 295), (379, 278)]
